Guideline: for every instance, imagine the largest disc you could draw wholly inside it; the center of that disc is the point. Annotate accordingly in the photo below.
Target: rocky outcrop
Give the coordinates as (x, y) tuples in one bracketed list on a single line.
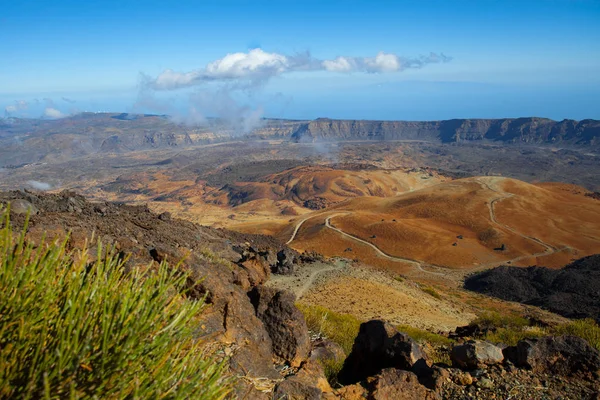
[(476, 354), (223, 267), (308, 383), (571, 291), (284, 323), (561, 355), (397, 384), (285, 262), (378, 346)]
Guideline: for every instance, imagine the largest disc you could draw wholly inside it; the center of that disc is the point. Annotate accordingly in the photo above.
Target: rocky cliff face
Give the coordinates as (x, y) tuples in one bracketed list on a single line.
[(520, 130)]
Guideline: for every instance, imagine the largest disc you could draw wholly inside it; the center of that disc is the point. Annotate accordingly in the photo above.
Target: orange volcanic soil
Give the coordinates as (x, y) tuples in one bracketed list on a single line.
[(327, 184), (545, 225)]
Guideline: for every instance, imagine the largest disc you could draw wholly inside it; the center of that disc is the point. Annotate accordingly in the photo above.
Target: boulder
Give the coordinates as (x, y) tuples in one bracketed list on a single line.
[(291, 389), (325, 350), (352, 392), (284, 323), (285, 262), (561, 355), (476, 354), (397, 384), (378, 346), (308, 383)]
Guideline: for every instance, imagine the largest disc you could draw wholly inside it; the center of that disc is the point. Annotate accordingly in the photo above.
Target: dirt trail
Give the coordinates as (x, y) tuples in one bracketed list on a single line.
[(302, 281), (549, 249), (297, 228), (410, 261)]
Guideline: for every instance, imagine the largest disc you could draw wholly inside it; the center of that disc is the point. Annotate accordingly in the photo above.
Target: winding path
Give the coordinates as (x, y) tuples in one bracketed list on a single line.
[(414, 263), (297, 228), (503, 195), (311, 279), (548, 249)]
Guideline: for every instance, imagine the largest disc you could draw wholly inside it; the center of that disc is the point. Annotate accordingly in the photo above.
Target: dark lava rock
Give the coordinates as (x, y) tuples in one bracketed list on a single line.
[(397, 384), (284, 323), (476, 354), (285, 262), (378, 346), (571, 291), (560, 355)]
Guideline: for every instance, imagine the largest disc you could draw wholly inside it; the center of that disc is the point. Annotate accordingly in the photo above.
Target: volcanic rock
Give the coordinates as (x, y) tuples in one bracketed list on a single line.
[(284, 323), (378, 346), (397, 384), (476, 354), (571, 291), (285, 262), (560, 355)]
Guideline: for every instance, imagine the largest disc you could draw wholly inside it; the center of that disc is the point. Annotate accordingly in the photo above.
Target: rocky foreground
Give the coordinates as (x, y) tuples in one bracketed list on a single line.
[(264, 337)]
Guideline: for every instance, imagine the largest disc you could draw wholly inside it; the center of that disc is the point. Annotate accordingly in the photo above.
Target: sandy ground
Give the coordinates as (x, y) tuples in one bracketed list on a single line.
[(369, 294)]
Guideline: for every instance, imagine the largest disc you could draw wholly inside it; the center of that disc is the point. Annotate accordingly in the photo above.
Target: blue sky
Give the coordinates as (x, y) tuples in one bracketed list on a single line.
[(509, 58)]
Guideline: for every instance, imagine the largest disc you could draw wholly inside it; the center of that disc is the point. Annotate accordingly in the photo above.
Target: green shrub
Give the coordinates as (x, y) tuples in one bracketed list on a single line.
[(332, 368), (69, 329), (511, 336), (431, 291), (422, 336), (339, 328), (494, 319)]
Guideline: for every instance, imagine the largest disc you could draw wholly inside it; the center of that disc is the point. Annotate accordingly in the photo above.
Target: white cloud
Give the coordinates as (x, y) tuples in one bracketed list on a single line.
[(241, 65), (19, 105), (258, 66), (340, 64), (50, 112), (39, 185)]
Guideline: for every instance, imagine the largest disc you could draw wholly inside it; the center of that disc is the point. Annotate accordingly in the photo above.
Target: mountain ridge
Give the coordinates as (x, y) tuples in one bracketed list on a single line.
[(532, 130)]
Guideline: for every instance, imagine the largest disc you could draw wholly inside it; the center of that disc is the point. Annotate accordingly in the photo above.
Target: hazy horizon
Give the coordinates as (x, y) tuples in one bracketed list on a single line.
[(432, 60)]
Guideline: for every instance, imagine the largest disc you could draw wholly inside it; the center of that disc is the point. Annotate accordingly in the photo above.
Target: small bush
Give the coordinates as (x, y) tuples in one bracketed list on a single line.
[(431, 291), (494, 319), (511, 336), (69, 329), (586, 329), (423, 336), (332, 368)]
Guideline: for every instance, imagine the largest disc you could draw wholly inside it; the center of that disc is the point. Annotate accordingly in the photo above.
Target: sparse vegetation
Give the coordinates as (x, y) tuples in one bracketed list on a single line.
[(510, 329), (586, 329), (493, 319), (440, 344), (431, 291), (73, 329), (340, 328)]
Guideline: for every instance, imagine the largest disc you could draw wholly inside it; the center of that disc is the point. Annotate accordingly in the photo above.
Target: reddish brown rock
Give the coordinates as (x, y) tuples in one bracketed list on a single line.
[(284, 323), (397, 384)]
